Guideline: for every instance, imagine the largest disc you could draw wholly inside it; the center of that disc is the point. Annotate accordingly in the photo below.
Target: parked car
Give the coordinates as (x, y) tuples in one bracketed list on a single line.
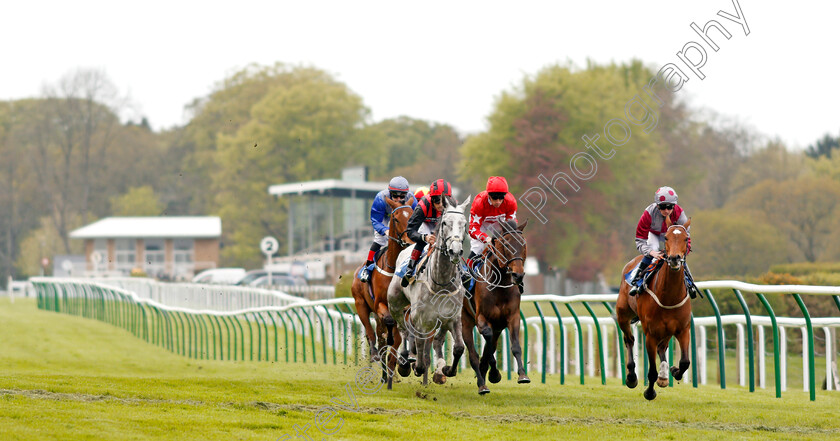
[(225, 276), (278, 280), (253, 275)]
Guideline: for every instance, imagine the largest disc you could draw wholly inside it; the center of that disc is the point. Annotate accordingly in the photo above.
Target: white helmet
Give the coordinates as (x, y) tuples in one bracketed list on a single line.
[(665, 195)]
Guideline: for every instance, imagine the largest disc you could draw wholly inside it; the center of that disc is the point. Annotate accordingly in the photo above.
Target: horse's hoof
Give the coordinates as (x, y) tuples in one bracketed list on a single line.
[(675, 372), (411, 358), (439, 378), (449, 371), (418, 371), (632, 381), (523, 379), (650, 394), (662, 382), (404, 369), (495, 376), (483, 390)]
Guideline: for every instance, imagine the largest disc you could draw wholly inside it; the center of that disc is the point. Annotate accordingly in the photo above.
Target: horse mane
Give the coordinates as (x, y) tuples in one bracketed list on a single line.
[(507, 226)]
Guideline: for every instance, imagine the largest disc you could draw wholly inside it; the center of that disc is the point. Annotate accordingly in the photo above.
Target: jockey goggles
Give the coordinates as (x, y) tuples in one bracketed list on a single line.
[(497, 196), (435, 199), (398, 195), (666, 206)]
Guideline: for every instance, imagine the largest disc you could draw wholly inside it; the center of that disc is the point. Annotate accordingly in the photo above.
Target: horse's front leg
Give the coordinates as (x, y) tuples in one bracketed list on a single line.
[(457, 347), (363, 310), (440, 357), (650, 349), (684, 339), (488, 358), (516, 349), (662, 381), (467, 326), (629, 341)]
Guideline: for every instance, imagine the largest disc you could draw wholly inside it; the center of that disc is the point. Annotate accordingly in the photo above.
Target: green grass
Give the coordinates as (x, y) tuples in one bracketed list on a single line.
[(66, 378)]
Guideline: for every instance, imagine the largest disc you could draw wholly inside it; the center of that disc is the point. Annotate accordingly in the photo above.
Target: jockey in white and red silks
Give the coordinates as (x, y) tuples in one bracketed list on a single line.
[(491, 208), (650, 233)]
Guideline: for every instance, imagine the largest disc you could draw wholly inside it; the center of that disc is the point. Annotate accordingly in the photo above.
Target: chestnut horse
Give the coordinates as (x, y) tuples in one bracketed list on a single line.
[(664, 311), (380, 277), (495, 306)]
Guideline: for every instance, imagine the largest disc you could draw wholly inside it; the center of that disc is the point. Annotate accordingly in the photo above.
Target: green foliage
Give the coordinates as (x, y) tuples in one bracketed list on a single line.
[(823, 147), (138, 201), (303, 128), (806, 268), (804, 210), (44, 241), (733, 242)]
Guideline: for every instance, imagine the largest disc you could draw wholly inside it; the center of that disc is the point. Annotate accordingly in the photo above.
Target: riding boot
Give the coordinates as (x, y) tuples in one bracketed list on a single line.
[(412, 263), (635, 285), (364, 276), (692, 289)]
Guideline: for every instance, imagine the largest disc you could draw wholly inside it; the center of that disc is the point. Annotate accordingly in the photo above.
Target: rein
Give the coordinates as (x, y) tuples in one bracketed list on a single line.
[(398, 239)]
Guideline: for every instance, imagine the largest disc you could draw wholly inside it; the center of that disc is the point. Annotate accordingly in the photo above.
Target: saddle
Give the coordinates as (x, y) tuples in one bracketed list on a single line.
[(647, 272)]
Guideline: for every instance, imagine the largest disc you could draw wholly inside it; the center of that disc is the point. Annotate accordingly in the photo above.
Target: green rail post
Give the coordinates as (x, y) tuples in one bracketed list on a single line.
[(644, 356), (509, 355), (332, 333), (671, 358), (619, 345), (580, 341), (242, 338), (812, 382), (750, 341), (776, 343), (205, 339), (294, 334), (721, 341), (224, 319), (250, 337), (214, 323), (544, 341), (562, 343), (323, 334), (184, 338), (343, 330), (145, 322), (192, 348), (274, 325), (311, 333), (600, 343), (302, 333), (259, 319), (285, 332), (525, 340)]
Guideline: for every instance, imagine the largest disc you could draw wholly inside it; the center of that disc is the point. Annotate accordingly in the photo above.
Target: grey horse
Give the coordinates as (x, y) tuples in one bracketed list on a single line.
[(436, 297)]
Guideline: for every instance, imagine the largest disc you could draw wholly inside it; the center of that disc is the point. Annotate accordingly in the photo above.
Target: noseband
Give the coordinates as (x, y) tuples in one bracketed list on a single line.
[(399, 238)]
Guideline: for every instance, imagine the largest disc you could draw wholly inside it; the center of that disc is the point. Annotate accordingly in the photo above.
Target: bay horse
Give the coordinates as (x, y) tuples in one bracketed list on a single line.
[(435, 299), (371, 297), (664, 311), (495, 306)]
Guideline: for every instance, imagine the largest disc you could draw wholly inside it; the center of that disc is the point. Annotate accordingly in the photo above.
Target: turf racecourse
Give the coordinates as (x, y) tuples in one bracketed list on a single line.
[(69, 378)]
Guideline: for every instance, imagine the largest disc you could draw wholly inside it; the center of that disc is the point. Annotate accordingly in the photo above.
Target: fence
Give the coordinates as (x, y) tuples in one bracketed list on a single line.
[(209, 322)]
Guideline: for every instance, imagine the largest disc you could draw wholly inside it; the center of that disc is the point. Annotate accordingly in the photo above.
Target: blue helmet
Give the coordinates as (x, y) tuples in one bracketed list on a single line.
[(398, 183)]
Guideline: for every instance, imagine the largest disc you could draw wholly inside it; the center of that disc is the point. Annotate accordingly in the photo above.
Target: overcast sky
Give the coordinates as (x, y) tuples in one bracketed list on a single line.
[(439, 61)]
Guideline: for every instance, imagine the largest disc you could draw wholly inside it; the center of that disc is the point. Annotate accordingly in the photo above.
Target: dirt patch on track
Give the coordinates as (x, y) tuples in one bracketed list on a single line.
[(597, 421)]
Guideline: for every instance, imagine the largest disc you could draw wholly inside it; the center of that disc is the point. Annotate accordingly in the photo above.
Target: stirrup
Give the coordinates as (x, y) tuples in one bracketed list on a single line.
[(364, 276)]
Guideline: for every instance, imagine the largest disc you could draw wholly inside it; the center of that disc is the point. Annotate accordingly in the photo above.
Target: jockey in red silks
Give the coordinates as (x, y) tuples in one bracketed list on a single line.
[(380, 213), (424, 220), (420, 192), (492, 207), (650, 233)]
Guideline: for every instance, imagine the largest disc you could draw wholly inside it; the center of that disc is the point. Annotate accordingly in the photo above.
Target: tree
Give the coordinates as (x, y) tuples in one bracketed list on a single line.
[(45, 242), (138, 201), (304, 128), (727, 243), (804, 210), (823, 147)]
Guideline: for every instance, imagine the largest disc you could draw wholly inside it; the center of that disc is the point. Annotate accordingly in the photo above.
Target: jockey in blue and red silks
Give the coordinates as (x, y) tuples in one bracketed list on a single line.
[(650, 231), (380, 212), (424, 220)]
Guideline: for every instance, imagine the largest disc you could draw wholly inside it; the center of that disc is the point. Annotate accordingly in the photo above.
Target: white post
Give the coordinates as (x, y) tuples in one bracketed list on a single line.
[(762, 368), (783, 356), (552, 350), (804, 358), (741, 358), (704, 374), (590, 352), (828, 351)]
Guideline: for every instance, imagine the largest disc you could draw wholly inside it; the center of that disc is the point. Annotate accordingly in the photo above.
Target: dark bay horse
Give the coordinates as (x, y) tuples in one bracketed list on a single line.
[(495, 305), (664, 311), (380, 277)]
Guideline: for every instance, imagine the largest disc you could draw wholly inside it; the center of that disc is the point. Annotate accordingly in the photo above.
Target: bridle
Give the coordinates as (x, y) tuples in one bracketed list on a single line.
[(399, 238), (505, 266), (676, 259)]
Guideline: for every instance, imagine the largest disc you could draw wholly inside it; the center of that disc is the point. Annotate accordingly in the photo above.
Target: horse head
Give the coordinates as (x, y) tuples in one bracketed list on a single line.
[(453, 223), (399, 222), (511, 250), (676, 245)]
